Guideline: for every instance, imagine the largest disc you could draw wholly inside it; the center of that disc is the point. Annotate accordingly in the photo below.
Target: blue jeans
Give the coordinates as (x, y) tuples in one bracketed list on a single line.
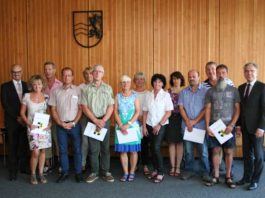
[(62, 135), (189, 156)]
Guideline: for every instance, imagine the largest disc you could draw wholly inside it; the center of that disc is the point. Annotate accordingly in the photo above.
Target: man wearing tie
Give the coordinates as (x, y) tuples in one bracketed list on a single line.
[(11, 95), (252, 124)]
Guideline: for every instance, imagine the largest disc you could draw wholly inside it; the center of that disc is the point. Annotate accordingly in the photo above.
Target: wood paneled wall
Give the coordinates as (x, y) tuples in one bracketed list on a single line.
[(154, 36)]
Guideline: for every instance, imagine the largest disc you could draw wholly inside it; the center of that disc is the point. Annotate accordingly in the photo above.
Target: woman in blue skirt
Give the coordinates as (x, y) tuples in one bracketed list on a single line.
[(126, 111)]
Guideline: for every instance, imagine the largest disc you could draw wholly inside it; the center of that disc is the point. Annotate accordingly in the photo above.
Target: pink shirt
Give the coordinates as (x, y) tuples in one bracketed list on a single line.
[(55, 85)]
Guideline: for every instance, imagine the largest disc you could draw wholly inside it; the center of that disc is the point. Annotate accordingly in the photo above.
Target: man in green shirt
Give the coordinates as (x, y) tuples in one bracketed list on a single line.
[(97, 104)]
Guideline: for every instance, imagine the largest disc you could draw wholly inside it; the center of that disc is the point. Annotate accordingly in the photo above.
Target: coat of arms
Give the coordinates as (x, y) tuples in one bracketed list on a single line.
[(88, 27)]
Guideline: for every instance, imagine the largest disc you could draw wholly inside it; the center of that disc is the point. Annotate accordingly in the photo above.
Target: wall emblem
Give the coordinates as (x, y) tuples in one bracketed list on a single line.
[(88, 27)]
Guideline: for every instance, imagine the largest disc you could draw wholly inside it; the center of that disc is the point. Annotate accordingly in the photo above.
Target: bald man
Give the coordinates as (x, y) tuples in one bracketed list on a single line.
[(11, 95), (192, 111)]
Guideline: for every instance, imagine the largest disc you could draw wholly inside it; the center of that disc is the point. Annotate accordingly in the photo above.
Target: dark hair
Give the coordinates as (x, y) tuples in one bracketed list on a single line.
[(159, 77), (222, 66), (177, 75), (67, 68)]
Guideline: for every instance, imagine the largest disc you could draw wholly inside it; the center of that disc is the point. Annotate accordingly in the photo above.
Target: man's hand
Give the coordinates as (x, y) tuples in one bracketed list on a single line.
[(259, 133), (100, 123), (189, 124), (210, 132), (228, 129), (238, 131)]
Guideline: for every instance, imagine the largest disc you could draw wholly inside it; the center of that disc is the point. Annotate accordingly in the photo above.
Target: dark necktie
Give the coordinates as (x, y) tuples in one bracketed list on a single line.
[(247, 92)]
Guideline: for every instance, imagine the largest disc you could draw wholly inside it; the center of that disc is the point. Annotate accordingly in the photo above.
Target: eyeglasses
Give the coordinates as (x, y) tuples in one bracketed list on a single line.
[(16, 72)]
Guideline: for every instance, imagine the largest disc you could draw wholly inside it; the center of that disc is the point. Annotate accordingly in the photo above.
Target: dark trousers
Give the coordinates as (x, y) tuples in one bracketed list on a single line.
[(156, 141), (18, 148), (62, 136), (145, 150), (100, 150), (253, 156)]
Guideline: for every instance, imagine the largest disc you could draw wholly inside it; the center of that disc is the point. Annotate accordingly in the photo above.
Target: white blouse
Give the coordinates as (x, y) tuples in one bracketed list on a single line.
[(157, 107)]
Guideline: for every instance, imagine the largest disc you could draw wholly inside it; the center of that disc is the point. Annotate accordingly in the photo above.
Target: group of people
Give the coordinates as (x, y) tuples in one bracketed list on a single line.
[(152, 116)]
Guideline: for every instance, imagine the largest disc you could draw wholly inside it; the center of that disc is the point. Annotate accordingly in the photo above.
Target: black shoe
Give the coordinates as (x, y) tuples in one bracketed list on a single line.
[(12, 175), (242, 182), (62, 178), (25, 171), (253, 186), (79, 178)]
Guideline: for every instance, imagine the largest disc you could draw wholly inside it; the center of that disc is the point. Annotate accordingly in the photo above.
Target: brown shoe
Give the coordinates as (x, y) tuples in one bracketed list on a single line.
[(91, 178), (108, 177)]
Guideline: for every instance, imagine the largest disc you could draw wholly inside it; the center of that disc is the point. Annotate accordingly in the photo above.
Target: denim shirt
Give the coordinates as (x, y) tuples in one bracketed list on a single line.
[(193, 103)]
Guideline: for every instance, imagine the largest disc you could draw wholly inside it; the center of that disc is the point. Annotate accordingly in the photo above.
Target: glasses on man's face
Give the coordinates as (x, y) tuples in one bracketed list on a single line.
[(16, 72), (98, 71)]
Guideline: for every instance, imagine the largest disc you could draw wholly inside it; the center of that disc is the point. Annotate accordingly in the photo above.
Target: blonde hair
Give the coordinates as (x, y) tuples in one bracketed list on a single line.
[(125, 78), (36, 78), (100, 67), (139, 75)]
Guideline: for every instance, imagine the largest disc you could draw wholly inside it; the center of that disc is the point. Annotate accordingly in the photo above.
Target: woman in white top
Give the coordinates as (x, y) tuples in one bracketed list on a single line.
[(156, 111), (36, 102)]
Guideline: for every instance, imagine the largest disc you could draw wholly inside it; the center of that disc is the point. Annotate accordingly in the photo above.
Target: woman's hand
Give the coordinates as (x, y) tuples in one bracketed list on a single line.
[(32, 126), (48, 127), (145, 131), (124, 128), (156, 129)]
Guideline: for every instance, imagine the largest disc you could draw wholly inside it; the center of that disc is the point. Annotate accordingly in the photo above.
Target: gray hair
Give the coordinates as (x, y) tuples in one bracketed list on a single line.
[(251, 63)]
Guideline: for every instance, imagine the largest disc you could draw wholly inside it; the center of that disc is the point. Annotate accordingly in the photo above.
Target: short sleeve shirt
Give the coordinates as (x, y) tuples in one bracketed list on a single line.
[(141, 96), (222, 103), (66, 102), (97, 99), (157, 107), (193, 103), (55, 85)]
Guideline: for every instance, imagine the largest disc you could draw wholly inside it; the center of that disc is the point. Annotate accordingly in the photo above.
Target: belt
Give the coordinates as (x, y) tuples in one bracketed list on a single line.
[(68, 121)]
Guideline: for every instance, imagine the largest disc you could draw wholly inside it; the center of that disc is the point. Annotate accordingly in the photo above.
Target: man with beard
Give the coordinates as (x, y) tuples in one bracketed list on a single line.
[(222, 102)]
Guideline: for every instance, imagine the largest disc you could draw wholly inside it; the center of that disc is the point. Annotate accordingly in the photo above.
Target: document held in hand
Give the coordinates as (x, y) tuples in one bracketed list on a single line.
[(131, 136), (196, 135), (218, 129), (91, 131), (41, 120)]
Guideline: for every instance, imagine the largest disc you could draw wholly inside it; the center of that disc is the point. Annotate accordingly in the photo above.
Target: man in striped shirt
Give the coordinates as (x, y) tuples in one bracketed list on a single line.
[(211, 81)]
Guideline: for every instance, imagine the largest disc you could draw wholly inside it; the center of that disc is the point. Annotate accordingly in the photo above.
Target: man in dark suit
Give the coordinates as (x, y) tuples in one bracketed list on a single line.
[(252, 125), (11, 96)]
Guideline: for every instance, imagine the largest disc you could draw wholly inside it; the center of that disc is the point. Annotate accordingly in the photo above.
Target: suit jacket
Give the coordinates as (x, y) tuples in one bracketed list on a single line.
[(10, 102), (252, 110)]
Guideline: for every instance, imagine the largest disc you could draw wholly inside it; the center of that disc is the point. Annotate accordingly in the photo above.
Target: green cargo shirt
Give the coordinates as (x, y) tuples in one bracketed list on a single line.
[(97, 99)]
